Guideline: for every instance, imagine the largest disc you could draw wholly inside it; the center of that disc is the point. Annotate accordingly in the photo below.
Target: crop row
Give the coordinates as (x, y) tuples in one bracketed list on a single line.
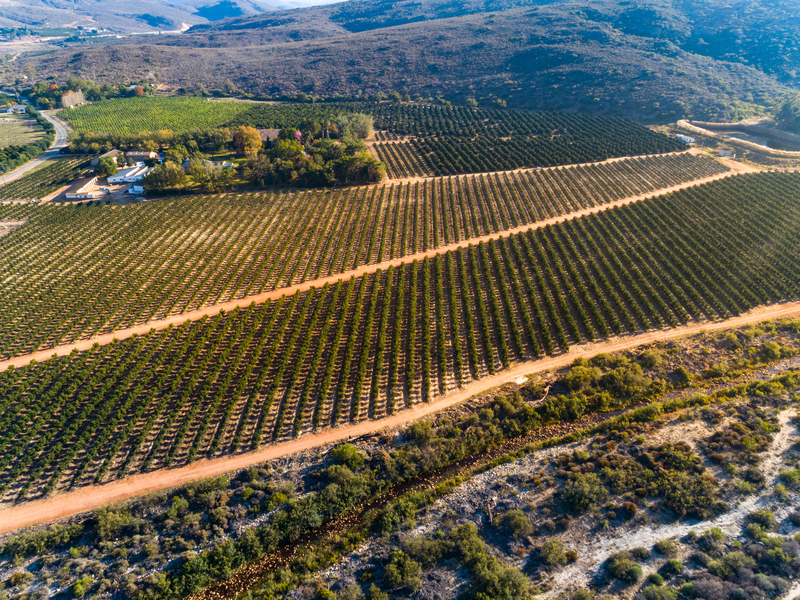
[(45, 181), (448, 156), (78, 271), (346, 352)]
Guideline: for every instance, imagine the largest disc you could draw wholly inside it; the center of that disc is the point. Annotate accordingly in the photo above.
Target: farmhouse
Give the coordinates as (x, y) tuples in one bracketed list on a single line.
[(727, 154), (685, 138), (141, 154), (131, 175), (82, 190), (109, 154), (17, 109)]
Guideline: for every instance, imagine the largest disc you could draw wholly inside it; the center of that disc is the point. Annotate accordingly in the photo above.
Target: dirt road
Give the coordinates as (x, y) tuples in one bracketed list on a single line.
[(91, 497), (121, 334)]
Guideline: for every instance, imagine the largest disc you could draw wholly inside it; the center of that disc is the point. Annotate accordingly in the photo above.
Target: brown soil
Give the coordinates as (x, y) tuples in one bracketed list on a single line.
[(121, 334), (92, 497)]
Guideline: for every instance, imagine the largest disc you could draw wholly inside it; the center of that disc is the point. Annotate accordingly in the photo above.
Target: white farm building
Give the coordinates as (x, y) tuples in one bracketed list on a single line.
[(131, 175), (685, 138), (82, 190)]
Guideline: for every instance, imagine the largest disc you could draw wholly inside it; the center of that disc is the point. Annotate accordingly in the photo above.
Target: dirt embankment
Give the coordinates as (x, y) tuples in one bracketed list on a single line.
[(686, 126), (736, 168), (89, 498)]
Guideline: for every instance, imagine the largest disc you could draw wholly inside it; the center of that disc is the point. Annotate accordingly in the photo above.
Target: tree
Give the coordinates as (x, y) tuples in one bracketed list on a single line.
[(211, 178), (358, 124), (247, 141), (472, 103), (106, 167), (395, 97), (177, 154), (287, 150), (165, 177), (138, 91), (259, 171)]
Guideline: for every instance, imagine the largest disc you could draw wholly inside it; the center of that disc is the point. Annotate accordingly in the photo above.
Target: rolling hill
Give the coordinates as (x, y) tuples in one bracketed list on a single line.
[(542, 57)]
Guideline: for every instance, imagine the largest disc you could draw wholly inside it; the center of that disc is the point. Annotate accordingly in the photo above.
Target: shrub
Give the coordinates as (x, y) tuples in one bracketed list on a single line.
[(517, 523), (641, 553), (375, 593), (621, 566), (351, 592), (81, 586), (667, 548), (651, 359), (348, 455), (653, 592), (765, 519), (583, 492), (552, 552), (656, 579), (402, 571), (673, 567)]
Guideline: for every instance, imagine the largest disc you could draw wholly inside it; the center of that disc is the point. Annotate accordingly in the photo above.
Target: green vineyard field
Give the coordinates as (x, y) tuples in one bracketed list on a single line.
[(151, 260), (364, 348), (43, 182), (134, 115)]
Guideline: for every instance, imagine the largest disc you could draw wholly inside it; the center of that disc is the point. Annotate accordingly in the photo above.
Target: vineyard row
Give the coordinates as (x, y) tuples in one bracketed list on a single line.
[(367, 347), (79, 271)]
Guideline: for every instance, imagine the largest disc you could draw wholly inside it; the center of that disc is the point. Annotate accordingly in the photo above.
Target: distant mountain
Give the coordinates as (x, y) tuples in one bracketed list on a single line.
[(216, 10), (133, 15)]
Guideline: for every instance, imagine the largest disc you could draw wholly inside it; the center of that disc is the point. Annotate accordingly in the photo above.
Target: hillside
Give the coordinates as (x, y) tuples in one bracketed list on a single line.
[(540, 58)]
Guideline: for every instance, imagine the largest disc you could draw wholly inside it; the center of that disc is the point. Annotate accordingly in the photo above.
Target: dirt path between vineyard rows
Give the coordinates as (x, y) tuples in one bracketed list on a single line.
[(121, 334), (91, 497)]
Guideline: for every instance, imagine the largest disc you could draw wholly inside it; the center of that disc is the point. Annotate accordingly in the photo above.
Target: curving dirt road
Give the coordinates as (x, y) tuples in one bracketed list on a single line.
[(91, 497), (121, 334)]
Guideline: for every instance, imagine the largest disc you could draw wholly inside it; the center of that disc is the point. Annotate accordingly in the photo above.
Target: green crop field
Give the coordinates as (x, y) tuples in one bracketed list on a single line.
[(43, 182), (15, 131), (134, 115), (209, 249), (368, 347)]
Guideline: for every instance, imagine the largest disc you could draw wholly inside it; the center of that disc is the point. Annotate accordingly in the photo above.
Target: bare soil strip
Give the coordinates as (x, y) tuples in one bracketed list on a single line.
[(91, 497), (121, 334)]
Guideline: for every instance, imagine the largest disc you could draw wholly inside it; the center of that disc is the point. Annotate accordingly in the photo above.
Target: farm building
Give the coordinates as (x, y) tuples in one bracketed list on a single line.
[(135, 189), (17, 109), (131, 175), (82, 190), (685, 138), (109, 154), (141, 154), (727, 154)]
